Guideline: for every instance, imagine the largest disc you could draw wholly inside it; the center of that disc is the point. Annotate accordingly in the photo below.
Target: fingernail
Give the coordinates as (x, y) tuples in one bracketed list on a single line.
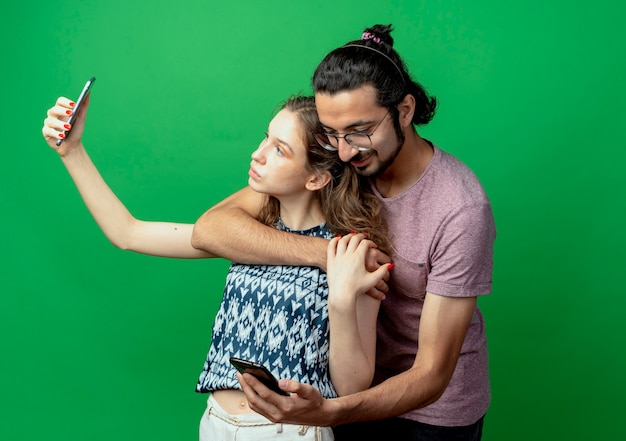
[(391, 266), (61, 135), (72, 103), (352, 232), (69, 112), (339, 235), (67, 126)]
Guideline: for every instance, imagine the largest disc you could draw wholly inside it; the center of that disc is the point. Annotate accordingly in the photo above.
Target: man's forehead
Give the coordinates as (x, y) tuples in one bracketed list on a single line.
[(346, 109), (364, 95)]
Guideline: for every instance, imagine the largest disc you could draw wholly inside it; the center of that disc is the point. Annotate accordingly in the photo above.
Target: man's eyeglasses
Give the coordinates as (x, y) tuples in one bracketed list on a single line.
[(357, 140)]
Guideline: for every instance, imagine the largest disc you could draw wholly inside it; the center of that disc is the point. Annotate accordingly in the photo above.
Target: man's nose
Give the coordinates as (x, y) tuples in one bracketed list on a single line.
[(346, 151)]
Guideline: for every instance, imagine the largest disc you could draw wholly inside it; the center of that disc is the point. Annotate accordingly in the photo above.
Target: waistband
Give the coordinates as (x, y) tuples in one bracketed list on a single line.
[(247, 419)]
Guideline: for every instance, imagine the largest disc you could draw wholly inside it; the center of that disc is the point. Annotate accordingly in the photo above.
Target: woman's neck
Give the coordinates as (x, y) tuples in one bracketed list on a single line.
[(301, 213)]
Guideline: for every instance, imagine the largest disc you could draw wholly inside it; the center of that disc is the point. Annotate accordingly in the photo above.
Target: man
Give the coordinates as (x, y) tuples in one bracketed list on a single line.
[(432, 380)]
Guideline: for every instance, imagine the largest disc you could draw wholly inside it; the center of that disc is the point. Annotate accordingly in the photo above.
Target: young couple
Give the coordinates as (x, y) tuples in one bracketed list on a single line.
[(362, 168)]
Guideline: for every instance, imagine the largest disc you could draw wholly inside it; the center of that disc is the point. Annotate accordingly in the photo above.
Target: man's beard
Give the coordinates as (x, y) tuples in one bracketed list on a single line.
[(382, 166)]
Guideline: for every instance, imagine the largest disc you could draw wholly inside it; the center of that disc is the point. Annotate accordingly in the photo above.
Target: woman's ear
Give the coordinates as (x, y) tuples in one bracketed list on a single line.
[(406, 110), (318, 181)]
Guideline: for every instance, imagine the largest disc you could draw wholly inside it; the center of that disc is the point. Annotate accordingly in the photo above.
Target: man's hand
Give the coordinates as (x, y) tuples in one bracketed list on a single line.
[(305, 405)]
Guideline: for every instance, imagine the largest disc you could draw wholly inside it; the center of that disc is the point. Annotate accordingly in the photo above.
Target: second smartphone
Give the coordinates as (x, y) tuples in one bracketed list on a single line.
[(258, 371)]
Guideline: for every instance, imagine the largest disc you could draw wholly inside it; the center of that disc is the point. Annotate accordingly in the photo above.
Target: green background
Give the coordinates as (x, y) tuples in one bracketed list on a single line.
[(100, 344)]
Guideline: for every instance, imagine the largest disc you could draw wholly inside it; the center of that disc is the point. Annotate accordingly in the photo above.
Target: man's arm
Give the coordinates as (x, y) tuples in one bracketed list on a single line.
[(442, 331), (230, 230)]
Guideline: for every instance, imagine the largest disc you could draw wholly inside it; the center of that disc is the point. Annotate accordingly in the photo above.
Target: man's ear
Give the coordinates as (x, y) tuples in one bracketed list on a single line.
[(318, 181), (406, 110)]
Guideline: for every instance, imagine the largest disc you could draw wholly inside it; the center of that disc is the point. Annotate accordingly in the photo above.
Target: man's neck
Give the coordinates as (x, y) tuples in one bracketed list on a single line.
[(407, 167)]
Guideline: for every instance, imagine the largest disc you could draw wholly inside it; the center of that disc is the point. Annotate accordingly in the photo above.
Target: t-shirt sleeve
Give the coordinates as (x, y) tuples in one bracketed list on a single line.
[(463, 259)]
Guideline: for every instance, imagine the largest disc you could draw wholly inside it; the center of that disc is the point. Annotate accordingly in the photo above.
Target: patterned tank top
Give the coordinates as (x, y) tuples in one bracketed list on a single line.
[(276, 315)]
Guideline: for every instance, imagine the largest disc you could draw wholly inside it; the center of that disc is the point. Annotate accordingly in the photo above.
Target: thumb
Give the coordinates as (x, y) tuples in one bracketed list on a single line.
[(384, 270)]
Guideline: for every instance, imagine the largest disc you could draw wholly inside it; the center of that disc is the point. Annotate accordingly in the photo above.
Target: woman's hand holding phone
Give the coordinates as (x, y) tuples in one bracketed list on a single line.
[(66, 117)]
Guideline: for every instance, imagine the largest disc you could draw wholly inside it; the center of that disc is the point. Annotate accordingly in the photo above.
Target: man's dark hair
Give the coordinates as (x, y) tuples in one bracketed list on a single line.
[(373, 60)]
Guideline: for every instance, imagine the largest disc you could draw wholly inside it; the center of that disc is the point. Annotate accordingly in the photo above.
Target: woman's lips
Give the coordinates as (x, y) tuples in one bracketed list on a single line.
[(253, 173)]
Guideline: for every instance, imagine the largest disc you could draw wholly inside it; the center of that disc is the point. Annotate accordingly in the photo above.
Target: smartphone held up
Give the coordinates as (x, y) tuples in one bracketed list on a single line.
[(81, 98)]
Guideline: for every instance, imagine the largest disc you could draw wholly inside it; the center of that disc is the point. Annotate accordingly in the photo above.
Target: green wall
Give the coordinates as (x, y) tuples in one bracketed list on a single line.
[(100, 344)]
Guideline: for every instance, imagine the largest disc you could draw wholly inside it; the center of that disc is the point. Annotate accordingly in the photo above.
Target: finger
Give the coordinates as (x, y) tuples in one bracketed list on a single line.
[(354, 241), (331, 250), (364, 245), (333, 242), (262, 391), (65, 102), (375, 258), (371, 279), (381, 257), (245, 387), (383, 271), (60, 112), (340, 246), (50, 133), (351, 242), (382, 286), (294, 387), (375, 293), (56, 124), (255, 394)]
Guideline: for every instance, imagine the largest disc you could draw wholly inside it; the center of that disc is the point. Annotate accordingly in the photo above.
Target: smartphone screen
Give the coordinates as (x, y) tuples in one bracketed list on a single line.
[(83, 94), (259, 371)]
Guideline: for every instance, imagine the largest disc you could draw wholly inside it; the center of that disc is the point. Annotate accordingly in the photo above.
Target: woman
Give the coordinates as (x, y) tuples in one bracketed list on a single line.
[(287, 318)]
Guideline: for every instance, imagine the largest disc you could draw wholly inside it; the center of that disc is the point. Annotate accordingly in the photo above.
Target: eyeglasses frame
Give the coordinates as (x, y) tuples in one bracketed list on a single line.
[(346, 137)]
